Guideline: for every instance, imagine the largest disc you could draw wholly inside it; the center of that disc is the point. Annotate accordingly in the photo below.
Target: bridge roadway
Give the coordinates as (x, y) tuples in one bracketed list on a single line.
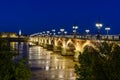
[(67, 46)]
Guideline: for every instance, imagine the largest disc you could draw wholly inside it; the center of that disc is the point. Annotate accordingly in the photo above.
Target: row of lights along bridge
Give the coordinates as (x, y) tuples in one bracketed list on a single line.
[(75, 27)]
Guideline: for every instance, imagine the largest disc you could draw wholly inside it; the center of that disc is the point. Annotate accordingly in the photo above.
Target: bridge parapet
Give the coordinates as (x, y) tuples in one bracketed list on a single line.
[(94, 37)]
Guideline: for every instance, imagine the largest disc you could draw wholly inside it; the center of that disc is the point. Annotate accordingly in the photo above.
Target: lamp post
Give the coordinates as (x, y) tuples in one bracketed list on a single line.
[(87, 31), (43, 33), (53, 31), (58, 33), (75, 30), (65, 32), (99, 26), (40, 33), (107, 29), (48, 32), (62, 30)]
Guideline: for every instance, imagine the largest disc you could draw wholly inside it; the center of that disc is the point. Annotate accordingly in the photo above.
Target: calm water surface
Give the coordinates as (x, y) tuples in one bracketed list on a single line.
[(47, 65)]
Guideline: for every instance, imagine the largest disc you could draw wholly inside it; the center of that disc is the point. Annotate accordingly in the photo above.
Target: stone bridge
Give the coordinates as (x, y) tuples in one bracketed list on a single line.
[(66, 46)]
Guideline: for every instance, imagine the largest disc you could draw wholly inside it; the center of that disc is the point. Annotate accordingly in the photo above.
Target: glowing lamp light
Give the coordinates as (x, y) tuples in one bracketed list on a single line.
[(87, 30), (107, 28), (58, 32), (75, 27), (61, 30), (48, 32), (74, 31), (53, 30), (99, 25), (43, 32), (65, 32)]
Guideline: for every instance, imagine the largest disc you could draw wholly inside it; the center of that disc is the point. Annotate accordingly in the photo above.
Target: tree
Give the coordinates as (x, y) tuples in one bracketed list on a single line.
[(9, 68), (84, 70), (101, 64)]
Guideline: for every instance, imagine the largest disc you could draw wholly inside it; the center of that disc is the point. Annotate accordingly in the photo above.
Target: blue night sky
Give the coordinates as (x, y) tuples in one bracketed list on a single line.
[(33, 16)]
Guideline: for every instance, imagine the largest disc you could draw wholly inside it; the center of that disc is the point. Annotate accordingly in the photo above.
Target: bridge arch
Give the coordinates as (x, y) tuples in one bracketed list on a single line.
[(70, 44), (59, 43), (47, 40), (88, 44), (53, 42)]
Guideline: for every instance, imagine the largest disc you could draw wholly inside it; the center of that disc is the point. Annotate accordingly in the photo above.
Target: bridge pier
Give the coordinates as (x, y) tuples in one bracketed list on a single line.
[(41, 44), (76, 55), (57, 48), (49, 47), (44, 45), (67, 52)]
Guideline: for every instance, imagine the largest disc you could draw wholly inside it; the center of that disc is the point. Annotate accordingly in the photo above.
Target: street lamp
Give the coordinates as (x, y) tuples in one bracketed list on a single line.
[(53, 30), (62, 30), (75, 27), (75, 30), (99, 26), (48, 32), (87, 31), (65, 32), (40, 34), (43, 33), (107, 29), (58, 33)]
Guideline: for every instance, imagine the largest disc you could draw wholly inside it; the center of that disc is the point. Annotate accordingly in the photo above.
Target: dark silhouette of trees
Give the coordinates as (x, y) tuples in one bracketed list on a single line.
[(9, 68), (102, 63)]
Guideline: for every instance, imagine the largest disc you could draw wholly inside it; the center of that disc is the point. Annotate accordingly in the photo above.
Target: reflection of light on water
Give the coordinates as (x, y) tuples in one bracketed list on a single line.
[(47, 65), (61, 74), (12, 44), (35, 52), (53, 76), (47, 56), (47, 68), (54, 66), (59, 66), (71, 73), (47, 62), (63, 65)]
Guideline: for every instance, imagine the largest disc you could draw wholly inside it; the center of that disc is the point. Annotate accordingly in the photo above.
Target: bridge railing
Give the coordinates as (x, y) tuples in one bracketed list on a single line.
[(88, 37), (93, 37)]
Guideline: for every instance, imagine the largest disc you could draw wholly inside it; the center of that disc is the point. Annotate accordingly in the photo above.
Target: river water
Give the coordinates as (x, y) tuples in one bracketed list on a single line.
[(46, 65)]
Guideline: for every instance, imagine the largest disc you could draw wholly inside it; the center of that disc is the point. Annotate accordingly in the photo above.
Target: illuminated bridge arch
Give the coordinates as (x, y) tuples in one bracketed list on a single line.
[(60, 43), (52, 42), (89, 44), (70, 44)]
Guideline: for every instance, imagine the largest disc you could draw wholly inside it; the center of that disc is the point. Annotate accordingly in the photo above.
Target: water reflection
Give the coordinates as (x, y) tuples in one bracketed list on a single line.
[(21, 48), (47, 65)]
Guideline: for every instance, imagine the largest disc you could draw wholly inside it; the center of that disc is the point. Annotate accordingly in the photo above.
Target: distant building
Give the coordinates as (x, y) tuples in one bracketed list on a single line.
[(8, 35), (20, 32)]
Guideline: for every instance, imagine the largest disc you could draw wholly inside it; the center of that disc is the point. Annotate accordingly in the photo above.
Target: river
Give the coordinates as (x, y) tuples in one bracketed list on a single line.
[(46, 65)]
